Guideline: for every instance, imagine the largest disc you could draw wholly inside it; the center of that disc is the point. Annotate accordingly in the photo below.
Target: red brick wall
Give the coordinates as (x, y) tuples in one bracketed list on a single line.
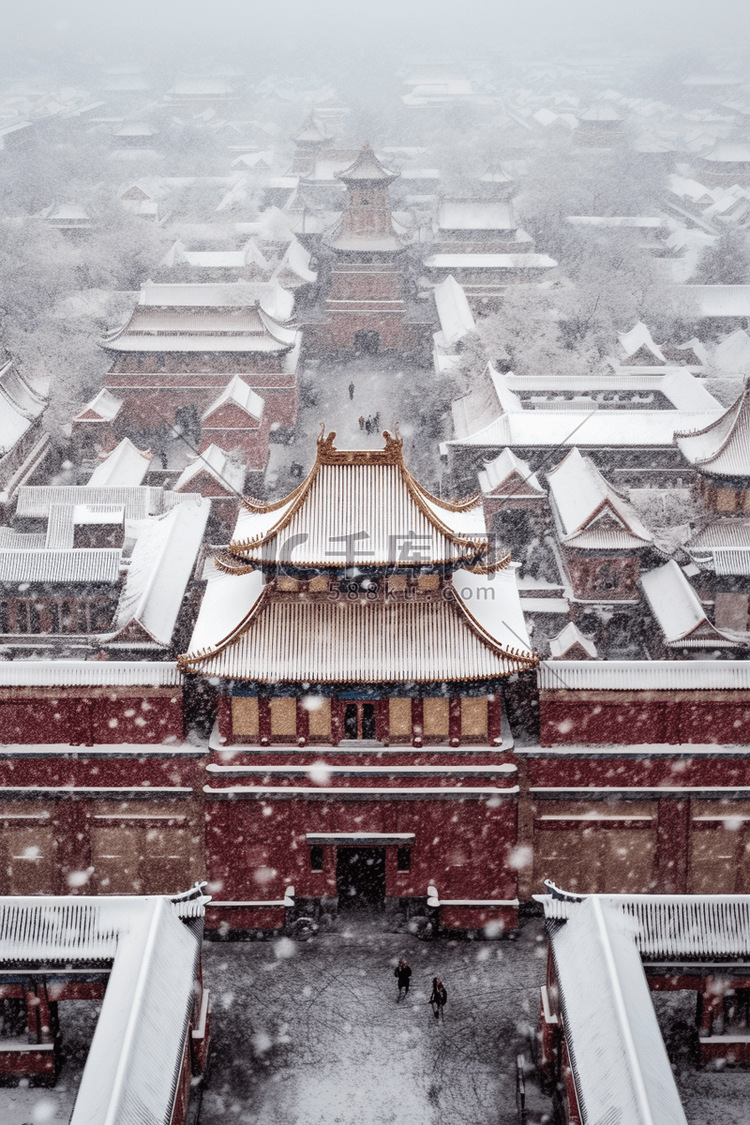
[(86, 716), (635, 718), (594, 576)]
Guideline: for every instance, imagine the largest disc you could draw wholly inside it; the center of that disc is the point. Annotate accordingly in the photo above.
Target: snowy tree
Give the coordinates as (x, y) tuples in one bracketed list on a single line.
[(524, 337), (726, 262)]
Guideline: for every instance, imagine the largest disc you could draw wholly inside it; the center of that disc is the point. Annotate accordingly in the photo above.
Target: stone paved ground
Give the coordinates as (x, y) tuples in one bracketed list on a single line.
[(407, 395), (311, 1032)]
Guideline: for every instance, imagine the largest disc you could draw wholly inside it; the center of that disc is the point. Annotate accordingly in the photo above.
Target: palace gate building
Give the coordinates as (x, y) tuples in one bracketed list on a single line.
[(360, 634)]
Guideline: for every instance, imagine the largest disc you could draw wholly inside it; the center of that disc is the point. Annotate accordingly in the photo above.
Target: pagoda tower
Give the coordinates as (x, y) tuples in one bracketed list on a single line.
[(309, 143), (365, 308)]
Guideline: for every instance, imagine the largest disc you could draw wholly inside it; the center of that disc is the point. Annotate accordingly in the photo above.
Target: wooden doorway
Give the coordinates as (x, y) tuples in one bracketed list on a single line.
[(360, 722), (367, 342), (360, 878)]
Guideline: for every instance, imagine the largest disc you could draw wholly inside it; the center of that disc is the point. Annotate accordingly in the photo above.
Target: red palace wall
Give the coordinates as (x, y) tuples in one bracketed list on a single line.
[(463, 855), (614, 576), (86, 716), (148, 405), (99, 781), (114, 820), (360, 283), (638, 717), (341, 326)]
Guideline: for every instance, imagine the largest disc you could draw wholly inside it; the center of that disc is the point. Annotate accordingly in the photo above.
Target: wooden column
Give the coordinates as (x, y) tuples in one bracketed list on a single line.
[(264, 718), (417, 721), (303, 721), (224, 718), (382, 720), (337, 721), (494, 717), (454, 718)]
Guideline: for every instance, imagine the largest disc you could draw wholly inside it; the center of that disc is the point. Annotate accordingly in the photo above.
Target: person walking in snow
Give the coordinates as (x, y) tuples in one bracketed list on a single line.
[(438, 998), (402, 972), (351, 391), (361, 421)]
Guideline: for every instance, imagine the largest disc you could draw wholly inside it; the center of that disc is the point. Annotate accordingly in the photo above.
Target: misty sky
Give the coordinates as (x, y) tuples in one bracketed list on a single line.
[(335, 30)]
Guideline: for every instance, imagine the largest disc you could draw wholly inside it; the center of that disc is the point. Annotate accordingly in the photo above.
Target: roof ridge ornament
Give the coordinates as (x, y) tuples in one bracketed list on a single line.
[(391, 454)]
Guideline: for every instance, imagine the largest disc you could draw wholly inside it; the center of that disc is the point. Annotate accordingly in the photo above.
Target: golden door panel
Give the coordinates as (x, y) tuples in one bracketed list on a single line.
[(245, 717), (400, 717), (626, 861), (474, 718), (569, 858), (320, 719), (284, 718), (610, 848), (719, 838), (436, 715)]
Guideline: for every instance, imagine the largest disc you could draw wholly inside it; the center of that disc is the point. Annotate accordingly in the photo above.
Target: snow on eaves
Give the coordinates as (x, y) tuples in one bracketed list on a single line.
[(160, 568), (617, 1054), (125, 465)]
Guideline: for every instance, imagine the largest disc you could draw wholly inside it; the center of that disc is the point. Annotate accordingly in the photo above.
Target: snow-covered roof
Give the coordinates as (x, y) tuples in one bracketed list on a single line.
[(136, 1054), (214, 461), (249, 631), (269, 295), (723, 447), (367, 169), (125, 465), (239, 393), (695, 927), (468, 216), (204, 259), (313, 132), (103, 407), (601, 111), (641, 675), (589, 513), (456, 319), (82, 565), (490, 261), (35, 501), (617, 1055), (20, 406), (510, 425), (88, 673), (249, 329), (294, 268), (678, 384), (637, 222), (136, 129), (571, 637), (350, 492), (723, 546), (678, 611), (504, 467), (639, 338), (160, 567), (729, 152)]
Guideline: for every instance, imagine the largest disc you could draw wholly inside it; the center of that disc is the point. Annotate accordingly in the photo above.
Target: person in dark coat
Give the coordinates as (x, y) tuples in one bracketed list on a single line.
[(361, 421), (438, 998), (351, 390), (402, 972)]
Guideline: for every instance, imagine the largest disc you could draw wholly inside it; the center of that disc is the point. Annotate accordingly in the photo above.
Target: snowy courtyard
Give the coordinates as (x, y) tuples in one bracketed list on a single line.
[(312, 1032)]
